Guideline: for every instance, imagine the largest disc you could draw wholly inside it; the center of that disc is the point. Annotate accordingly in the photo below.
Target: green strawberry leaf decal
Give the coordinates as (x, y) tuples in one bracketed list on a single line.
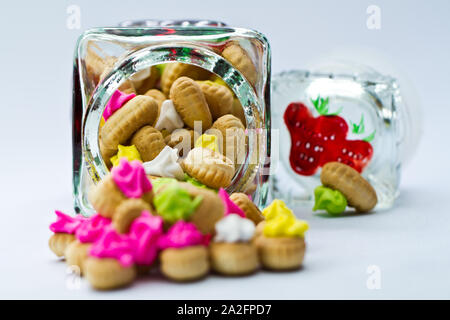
[(321, 106), (358, 128), (370, 137)]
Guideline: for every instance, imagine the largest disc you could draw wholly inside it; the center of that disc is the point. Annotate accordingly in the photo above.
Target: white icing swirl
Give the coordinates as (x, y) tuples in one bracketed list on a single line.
[(234, 228), (165, 164), (169, 118)]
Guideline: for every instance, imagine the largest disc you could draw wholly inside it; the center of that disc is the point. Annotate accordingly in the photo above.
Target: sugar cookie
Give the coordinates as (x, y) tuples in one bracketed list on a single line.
[(149, 142), (357, 190), (173, 71), (185, 264), (190, 103), (232, 138), (126, 212), (209, 167), (76, 254), (119, 128), (59, 242), (107, 273), (250, 209), (240, 59), (218, 97)]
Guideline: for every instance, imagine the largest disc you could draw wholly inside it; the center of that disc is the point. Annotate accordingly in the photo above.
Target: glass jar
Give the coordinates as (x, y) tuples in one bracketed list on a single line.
[(341, 112), (134, 47)]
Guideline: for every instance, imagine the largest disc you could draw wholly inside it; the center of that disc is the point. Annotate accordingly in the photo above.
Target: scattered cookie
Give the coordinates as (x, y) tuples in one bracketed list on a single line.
[(184, 256), (281, 244), (157, 95), (173, 71), (120, 127), (218, 97), (59, 242), (190, 103), (76, 254), (127, 180), (357, 190), (232, 137), (149, 142), (126, 212), (209, 167), (231, 252), (241, 60), (250, 209), (107, 274), (182, 140)]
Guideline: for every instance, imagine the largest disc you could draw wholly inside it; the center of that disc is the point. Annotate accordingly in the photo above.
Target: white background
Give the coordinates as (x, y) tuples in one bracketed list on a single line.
[(409, 243)]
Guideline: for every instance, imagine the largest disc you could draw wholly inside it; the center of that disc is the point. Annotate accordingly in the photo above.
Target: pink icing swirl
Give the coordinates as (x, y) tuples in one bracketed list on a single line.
[(131, 179), (111, 244), (66, 224), (117, 100), (92, 228), (183, 234), (139, 246), (145, 232), (230, 206)]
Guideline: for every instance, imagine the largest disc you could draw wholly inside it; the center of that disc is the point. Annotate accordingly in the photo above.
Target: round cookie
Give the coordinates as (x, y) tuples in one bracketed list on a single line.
[(235, 259), (190, 103), (281, 253), (106, 273), (185, 264), (357, 190), (77, 253), (59, 242)]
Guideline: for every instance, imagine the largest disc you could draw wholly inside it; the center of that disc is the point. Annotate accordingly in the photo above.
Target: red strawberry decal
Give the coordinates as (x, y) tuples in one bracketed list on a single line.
[(322, 139)]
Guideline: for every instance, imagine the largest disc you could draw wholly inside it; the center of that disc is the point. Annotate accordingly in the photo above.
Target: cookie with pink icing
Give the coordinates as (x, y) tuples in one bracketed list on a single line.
[(126, 181), (66, 224), (183, 234), (92, 228), (117, 100), (184, 256), (64, 229)]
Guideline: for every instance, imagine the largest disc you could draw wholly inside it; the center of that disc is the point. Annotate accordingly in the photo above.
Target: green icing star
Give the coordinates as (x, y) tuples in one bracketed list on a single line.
[(333, 201), (174, 203)]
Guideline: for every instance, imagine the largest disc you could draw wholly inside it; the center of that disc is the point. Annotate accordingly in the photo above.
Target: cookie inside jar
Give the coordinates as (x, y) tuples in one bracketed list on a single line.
[(180, 120)]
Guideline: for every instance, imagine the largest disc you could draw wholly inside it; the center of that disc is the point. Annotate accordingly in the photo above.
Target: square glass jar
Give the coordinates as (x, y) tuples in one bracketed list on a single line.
[(130, 50), (350, 114)]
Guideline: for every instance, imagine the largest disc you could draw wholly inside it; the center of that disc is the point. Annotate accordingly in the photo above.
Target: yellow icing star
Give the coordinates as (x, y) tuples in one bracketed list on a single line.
[(281, 221), (285, 226), (102, 122), (277, 207), (207, 141), (131, 153)]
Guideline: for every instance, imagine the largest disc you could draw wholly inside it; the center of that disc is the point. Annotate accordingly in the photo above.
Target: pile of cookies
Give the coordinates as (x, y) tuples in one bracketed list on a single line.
[(158, 115), (180, 228)]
